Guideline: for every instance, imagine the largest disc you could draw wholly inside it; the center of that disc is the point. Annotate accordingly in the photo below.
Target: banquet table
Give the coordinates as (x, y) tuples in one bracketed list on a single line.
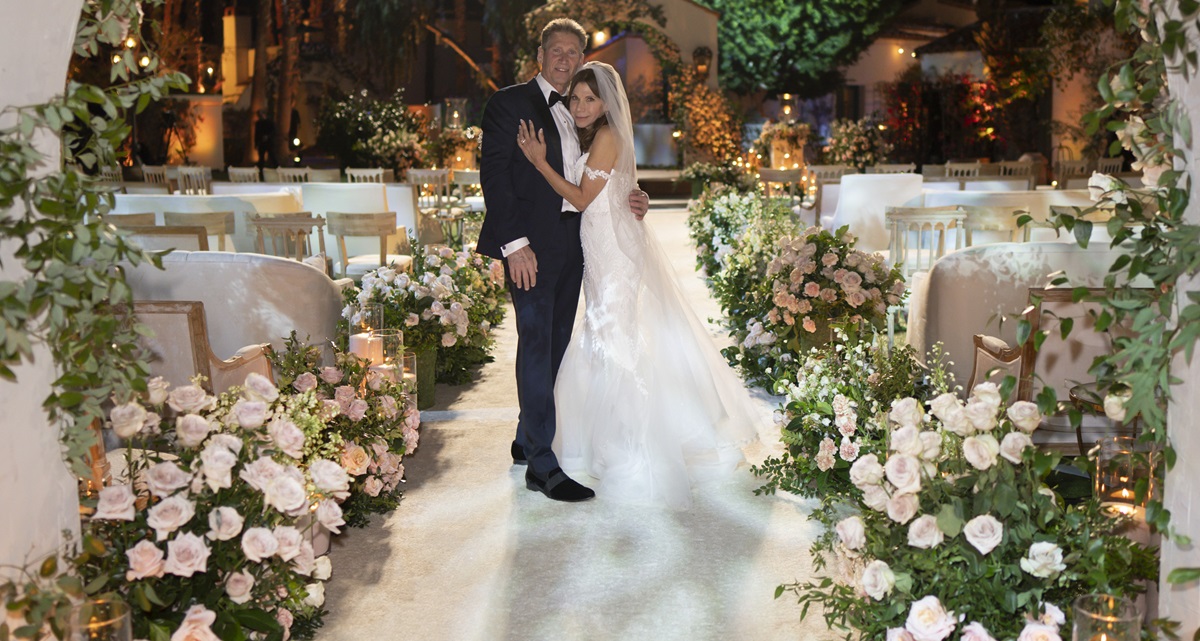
[(243, 207)]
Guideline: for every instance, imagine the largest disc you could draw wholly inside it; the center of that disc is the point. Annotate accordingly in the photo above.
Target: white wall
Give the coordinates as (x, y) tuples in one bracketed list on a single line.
[(37, 493), (883, 61), (691, 25)]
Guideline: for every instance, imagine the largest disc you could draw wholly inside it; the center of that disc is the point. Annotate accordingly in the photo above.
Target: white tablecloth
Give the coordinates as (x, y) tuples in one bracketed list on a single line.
[(864, 201), (243, 207)]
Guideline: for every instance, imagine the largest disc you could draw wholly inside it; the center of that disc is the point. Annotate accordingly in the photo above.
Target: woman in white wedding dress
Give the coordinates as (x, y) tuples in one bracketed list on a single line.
[(645, 402)]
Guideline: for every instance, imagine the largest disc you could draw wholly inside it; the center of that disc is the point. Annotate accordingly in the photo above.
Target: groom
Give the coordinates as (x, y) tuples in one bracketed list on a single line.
[(536, 232)]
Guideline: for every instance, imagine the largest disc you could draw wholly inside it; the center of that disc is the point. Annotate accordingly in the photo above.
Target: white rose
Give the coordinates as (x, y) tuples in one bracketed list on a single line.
[(906, 440), (260, 472), (875, 497), (974, 631), (931, 443), (190, 399), (866, 471), (227, 441), (929, 621), (330, 478), (165, 478), (1114, 407), (260, 388), (1043, 560), (315, 594), (191, 430), (306, 560), (127, 420), (289, 539), (287, 437), (145, 560), (329, 515), (1035, 631), (907, 412), (924, 532), (902, 507), (186, 555), (987, 392), (224, 523), (981, 415), (250, 414), (156, 389), (1025, 416), (322, 569), (984, 532), (944, 404), (877, 580), (238, 586), (217, 465), (904, 472), (259, 544), (852, 532), (169, 515), (981, 451), (286, 494), (197, 625), (116, 504), (1052, 615), (1014, 445)]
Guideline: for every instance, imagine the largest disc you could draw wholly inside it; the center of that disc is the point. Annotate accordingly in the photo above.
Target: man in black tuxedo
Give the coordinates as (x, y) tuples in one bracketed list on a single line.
[(536, 232)]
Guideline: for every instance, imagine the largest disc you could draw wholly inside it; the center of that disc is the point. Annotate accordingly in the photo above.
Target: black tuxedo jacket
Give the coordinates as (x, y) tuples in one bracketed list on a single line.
[(520, 202)]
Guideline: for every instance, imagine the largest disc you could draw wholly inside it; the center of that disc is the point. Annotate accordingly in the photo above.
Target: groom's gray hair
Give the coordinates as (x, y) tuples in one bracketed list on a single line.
[(565, 25)]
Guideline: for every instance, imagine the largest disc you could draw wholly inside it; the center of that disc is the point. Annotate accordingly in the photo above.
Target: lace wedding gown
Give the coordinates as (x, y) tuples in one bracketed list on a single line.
[(645, 402)]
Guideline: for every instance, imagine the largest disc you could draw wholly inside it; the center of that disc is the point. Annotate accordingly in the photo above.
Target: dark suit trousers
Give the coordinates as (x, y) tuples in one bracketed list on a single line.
[(545, 318)]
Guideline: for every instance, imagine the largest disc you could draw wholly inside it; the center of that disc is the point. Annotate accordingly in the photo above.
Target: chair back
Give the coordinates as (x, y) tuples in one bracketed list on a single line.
[(179, 349), (176, 237), (911, 226), (121, 221), (379, 224), (433, 187), (294, 174), (782, 182), (1015, 167), (243, 174), (1065, 170), (111, 173), (828, 173), (218, 223), (364, 175), (962, 169), (1110, 166), (195, 181), (901, 168), (154, 174), (290, 234)]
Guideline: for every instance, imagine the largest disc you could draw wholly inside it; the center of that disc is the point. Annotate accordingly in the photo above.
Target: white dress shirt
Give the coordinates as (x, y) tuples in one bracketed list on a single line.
[(570, 151)]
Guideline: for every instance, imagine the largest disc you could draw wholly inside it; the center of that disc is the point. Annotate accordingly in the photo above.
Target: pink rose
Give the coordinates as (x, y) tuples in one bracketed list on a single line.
[(331, 375), (902, 507), (197, 625), (329, 515), (165, 478), (305, 382), (344, 395), (411, 438), (116, 504), (224, 524), (809, 325), (984, 532), (145, 560), (928, 620), (260, 388), (974, 631), (169, 515), (186, 555), (372, 486), (191, 430), (904, 472), (238, 586), (287, 437), (358, 410), (227, 441), (412, 417), (330, 478), (374, 379), (289, 539), (285, 619), (388, 406), (258, 544), (286, 494), (812, 290), (190, 398), (260, 472), (305, 561), (250, 414), (127, 420)]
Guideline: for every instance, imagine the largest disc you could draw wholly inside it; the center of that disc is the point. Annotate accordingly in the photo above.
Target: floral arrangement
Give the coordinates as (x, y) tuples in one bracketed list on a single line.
[(793, 134), (857, 143), (956, 534), (835, 411), (713, 176), (720, 217), (361, 131), (441, 147), (449, 303), (375, 426)]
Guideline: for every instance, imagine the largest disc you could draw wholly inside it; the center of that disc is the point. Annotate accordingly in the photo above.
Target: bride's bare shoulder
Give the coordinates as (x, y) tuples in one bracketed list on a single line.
[(604, 146)]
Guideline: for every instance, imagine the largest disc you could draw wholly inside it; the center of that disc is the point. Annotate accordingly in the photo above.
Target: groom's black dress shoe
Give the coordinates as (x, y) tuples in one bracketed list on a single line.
[(518, 454), (558, 486)]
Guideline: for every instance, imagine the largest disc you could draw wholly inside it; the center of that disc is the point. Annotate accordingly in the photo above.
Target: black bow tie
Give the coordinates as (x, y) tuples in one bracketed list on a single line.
[(556, 97)]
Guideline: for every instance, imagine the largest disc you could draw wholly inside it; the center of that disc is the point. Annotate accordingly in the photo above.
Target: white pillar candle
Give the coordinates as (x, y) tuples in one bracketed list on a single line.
[(366, 346), (386, 370)]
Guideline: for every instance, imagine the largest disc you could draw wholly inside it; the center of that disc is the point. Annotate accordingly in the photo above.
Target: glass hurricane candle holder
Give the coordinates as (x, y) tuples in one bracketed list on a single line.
[(1105, 617), (101, 620), (409, 375), (1121, 463), (393, 346), (370, 319)]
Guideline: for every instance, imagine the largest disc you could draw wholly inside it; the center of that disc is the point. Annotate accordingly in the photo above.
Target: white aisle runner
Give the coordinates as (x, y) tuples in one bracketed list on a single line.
[(471, 555)]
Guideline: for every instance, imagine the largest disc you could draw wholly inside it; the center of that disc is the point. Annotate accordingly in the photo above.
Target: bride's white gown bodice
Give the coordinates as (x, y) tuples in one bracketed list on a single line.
[(645, 402)]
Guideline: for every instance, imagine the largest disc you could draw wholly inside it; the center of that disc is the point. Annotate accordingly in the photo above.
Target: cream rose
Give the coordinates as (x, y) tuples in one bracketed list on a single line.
[(329, 515), (258, 544), (239, 586), (1043, 560), (852, 532), (931, 444), (1035, 631), (260, 388), (875, 497), (286, 494), (116, 504), (127, 419), (314, 594), (250, 414), (981, 451), (944, 404), (169, 515), (289, 539), (1114, 407), (190, 399), (355, 459), (216, 463), (1052, 615), (904, 472), (907, 412), (358, 409), (322, 569), (981, 415), (924, 532), (906, 440), (899, 634), (1025, 416), (877, 580), (260, 472), (224, 523), (306, 560), (305, 382), (928, 620), (191, 430), (974, 631), (902, 507), (989, 393), (165, 478), (866, 471), (156, 390), (1014, 445), (287, 437), (197, 625), (145, 560), (984, 533), (227, 441), (186, 555), (330, 478)]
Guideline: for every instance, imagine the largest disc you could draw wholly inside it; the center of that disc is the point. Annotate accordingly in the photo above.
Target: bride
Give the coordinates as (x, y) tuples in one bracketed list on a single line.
[(645, 403)]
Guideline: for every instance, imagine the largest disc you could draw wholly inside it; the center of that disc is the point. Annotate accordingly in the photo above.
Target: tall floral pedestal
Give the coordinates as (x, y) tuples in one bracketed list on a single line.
[(785, 156), (426, 377)]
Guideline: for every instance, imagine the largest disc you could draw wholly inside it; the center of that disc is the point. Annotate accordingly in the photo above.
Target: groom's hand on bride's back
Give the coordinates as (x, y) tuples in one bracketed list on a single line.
[(639, 203), (522, 268)]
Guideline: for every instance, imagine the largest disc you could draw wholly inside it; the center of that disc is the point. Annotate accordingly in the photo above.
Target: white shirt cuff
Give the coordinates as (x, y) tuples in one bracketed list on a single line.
[(511, 248)]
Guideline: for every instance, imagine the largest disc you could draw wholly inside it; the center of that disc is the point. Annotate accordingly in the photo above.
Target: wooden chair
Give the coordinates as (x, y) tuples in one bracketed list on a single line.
[(381, 225), (364, 175), (180, 349), (901, 168), (294, 174), (218, 223), (111, 173), (195, 181), (1066, 170), (163, 237), (290, 234), (121, 221), (1110, 166), (962, 169), (243, 174), (155, 174), (437, 217), (782, 183), (828, 173), (934, 223)]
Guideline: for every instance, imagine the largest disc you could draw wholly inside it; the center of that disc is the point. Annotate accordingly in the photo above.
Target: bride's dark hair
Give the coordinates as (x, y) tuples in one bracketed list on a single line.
[(588, 134)]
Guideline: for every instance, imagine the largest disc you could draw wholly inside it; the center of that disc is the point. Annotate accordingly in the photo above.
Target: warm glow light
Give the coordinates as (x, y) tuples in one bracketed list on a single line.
[(787, 109), (787, 96), (201, 89), (130, 42), (990, 130), (600, 37), (676, 134), (296, 159), (913, 54), (145, 61), (116, 59), (882, 127), (296, 141), (1053, 183), (786, 156), (900, 50), (209, 70)]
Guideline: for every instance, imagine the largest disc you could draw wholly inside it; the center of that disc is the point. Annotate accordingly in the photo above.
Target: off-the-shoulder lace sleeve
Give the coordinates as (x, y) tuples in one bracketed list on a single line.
[(596, 173)]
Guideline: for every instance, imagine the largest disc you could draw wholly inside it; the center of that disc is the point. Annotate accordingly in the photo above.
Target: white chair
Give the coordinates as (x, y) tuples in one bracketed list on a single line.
[(468, 189), (364, 175), (863, 202), (895, 168), (992, 225), (828, 173), (154, 174), (290, 234), (325, 175), (357, 198), (243, 174), (294, 174), (912, 226), (218, 223), (962, 169), (111, 173), (1067, 170), (1110, 166), (195, 181), (147, 189), (180, 349), (438, 221), (381, 225), (173, 237)]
